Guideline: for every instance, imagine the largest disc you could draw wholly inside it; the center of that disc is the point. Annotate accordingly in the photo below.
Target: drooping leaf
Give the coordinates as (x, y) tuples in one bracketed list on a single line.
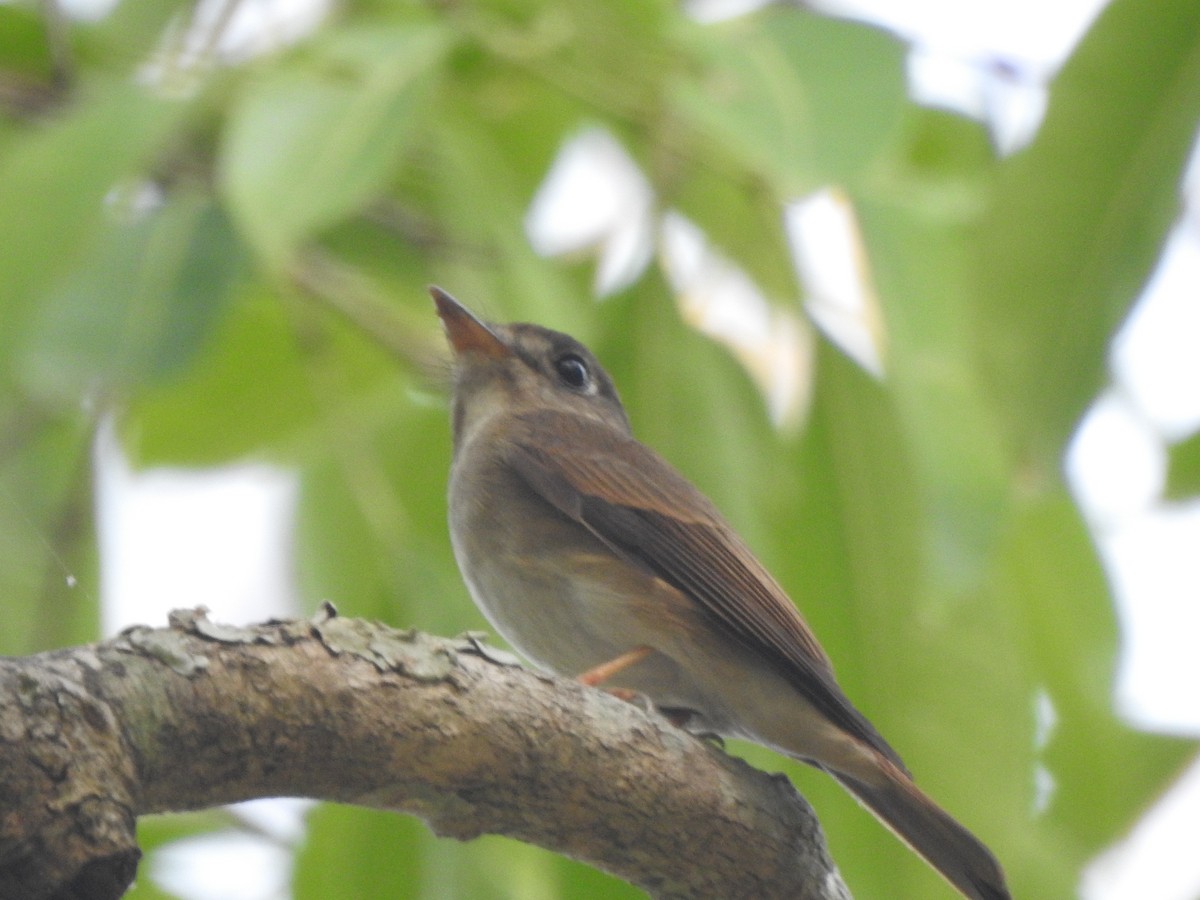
[(1079, 217), (1047, 576)]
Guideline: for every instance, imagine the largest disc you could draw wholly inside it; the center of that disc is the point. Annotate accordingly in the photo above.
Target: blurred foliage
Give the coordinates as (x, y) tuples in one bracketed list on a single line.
[(1183, 475), (231, 260)]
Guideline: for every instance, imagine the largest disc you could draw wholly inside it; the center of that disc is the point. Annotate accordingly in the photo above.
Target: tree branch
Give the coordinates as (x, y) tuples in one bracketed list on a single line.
[(200, 714)]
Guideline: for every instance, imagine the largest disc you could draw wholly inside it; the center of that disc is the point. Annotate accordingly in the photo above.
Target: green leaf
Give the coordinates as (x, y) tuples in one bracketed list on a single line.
[(1048, 574), (138, 307), (310, 143), (917, 229), (246, 391), (1079, 218), (1183, 475), (851, 548), (798, 99), (53, 183), (23, 46)]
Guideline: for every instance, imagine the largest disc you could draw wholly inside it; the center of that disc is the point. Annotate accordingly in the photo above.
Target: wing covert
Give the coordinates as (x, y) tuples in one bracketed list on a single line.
[(638, 505)]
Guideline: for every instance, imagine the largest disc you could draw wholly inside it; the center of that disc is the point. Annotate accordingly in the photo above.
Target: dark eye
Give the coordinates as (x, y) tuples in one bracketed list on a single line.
[(573, 371)]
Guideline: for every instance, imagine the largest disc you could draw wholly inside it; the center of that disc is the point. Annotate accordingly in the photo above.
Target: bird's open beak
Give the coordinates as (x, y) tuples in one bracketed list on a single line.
[(466, 332)]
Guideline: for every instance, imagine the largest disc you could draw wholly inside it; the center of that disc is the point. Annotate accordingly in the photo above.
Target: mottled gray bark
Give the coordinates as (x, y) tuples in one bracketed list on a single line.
[(200, 714)]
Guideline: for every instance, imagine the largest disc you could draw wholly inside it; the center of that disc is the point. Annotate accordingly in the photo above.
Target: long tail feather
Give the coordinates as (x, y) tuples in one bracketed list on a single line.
[(931, 832)]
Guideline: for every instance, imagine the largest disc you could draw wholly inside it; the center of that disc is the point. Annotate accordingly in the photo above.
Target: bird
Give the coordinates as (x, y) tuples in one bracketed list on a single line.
[(594, 558)]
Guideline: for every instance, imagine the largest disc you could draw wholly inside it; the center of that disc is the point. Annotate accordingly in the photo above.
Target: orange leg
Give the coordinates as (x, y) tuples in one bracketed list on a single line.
[(605, 671)]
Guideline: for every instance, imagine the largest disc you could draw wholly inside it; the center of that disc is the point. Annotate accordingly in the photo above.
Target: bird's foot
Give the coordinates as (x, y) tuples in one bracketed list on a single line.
[(597, 675)]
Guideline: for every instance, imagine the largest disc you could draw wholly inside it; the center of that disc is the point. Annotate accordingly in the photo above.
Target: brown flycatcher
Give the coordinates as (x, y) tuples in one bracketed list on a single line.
[(592, 556)]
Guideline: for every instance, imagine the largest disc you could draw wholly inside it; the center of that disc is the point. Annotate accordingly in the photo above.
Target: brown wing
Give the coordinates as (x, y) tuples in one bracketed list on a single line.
[(635, 502)]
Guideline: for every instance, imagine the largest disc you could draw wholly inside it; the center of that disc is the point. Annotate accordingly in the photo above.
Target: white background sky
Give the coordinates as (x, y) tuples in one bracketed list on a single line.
[(241, 515)]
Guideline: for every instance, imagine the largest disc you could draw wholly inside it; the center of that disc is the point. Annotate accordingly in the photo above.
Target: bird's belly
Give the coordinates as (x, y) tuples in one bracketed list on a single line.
[(570, 619), (578, 607), (533, 573), (562, 613), (567, 602)]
